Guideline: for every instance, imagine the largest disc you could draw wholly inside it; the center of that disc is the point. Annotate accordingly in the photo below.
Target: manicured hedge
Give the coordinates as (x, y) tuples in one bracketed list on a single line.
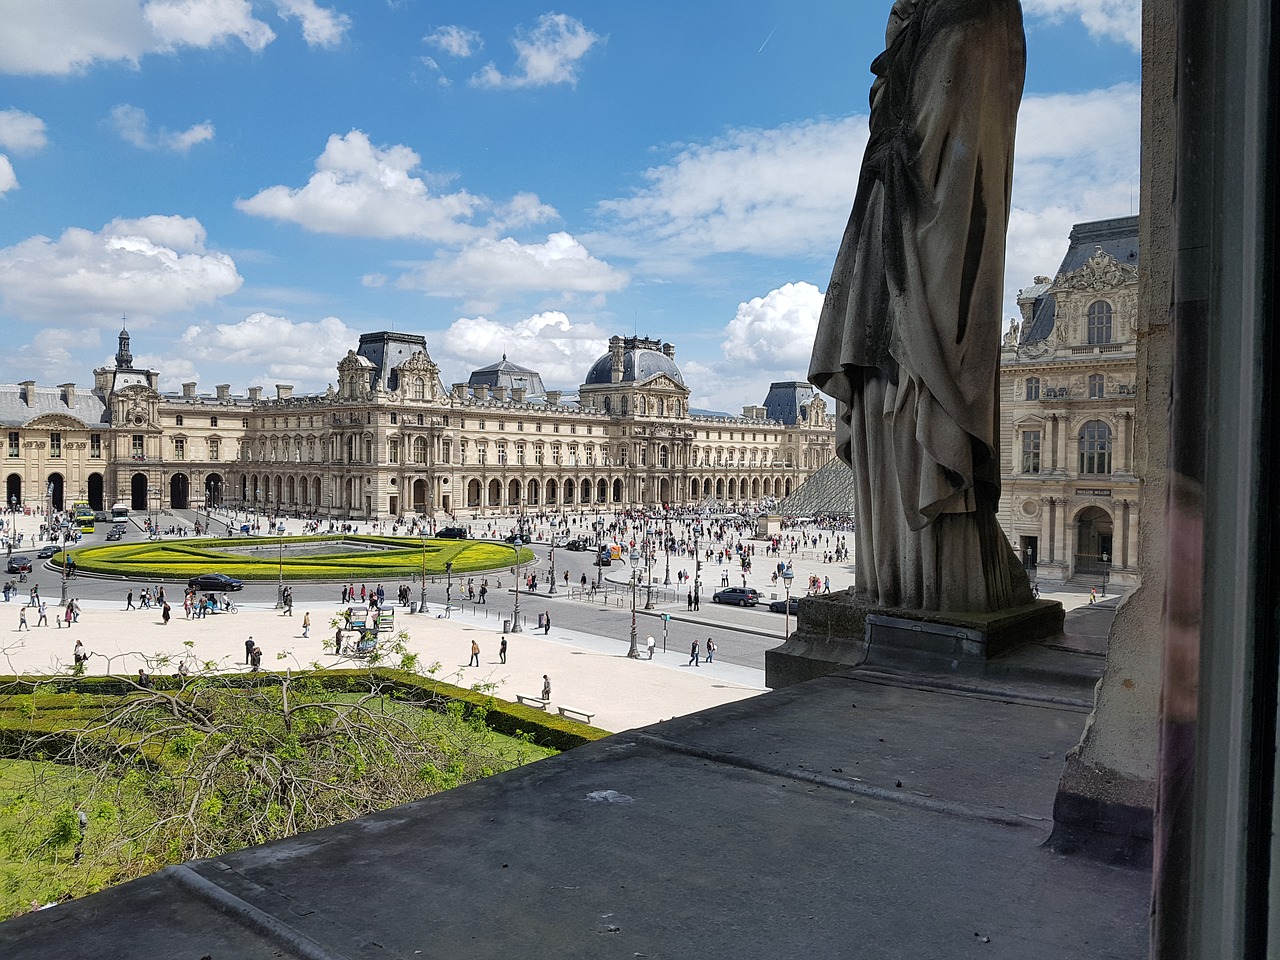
[(382, 558), (81, 699)]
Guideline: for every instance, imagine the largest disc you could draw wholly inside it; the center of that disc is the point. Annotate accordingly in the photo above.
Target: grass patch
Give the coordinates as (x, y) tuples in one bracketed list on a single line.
[(378, 558)]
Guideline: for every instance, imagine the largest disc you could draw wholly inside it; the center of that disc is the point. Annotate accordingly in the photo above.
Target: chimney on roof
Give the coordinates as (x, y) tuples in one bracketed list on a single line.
[(284, 391), (255, 394), (499, 392), (28, 392), (480, 391), (669, 351), (223, 391), (615, 359), (518, 394), (68, 394), (553, 398), (459, 391), (189, 390)]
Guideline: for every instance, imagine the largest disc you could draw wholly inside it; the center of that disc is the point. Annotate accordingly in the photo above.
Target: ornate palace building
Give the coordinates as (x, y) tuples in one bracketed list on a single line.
[(390, 439), (1068, 376)]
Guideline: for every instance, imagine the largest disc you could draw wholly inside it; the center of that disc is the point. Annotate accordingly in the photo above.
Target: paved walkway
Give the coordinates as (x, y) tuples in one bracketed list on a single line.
[(587, 670)]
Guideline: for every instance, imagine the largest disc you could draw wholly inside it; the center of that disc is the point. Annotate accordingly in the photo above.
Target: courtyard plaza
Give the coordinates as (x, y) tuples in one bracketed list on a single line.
[(584, 653)]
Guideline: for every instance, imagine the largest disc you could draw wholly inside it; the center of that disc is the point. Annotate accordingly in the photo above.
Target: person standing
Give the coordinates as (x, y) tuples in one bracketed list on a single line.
[(255, 660), (306, 625), (546, 623), (165, 613), (651, 644), (22, 619), (475, 655), (502, 651), (693, 655), (711, 650), (546, 688), (69, 613), (248, 650), (43, 621), (690, 600)]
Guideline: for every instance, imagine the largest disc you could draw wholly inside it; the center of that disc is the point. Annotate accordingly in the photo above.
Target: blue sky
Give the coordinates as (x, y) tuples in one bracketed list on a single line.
[(254, 183)]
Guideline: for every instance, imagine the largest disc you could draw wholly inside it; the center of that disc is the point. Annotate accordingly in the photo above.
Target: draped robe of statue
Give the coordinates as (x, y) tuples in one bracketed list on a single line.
[(909, 337)]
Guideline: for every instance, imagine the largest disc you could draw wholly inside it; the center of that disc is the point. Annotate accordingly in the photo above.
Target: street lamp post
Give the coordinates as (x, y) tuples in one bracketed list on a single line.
[(599, 553), (280, 566), (634, 652), (553, 571), (422, 598), (787, 577), (64, 563), (1106, 572), (666, 553), (697, 563), (648, 568), (515, 616)]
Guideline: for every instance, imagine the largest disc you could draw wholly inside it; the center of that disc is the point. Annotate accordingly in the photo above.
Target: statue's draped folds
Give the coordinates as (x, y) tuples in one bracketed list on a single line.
[(908, 341)]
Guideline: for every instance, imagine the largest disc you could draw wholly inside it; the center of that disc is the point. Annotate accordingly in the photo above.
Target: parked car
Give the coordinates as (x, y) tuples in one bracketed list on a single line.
[(215, 582), (780, 606), (578, 546), (19, 564), (46, 552), (742, 596), (451, 533)]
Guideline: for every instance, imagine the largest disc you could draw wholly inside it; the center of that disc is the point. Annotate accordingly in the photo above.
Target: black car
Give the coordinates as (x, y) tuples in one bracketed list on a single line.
[(46, 552), (19, 564), (742, 596), (780, 606), (214, 581), (514, 535), (451, 533), (577, 545)]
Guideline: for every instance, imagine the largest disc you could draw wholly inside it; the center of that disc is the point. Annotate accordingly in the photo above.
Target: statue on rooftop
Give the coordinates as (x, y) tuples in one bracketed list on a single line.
[(909, 337)]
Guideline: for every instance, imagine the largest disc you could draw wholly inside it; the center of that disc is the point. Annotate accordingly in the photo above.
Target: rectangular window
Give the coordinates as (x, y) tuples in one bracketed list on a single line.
[(1030, 451), (95, 445), (555, 453), (179, 449), (215, 448), (393, 450), (55, 445), (446, 451), (537, 454), (520, 454), (502, 452), (13, 443), (462, 451), (394, 418)]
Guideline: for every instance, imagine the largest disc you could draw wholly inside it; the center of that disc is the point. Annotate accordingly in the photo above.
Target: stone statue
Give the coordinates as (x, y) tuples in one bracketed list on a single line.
[(909, 337)]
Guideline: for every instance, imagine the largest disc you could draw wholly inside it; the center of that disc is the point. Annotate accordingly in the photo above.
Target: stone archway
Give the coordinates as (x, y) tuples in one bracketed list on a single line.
[(213, 491), (179, 491), (54, 488), (138, 492), (13, 491), (97, 500), (1094, 529)]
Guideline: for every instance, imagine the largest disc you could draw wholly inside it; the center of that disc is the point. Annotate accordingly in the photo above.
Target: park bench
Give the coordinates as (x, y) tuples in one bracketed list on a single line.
[(573, 713), (532, 701)]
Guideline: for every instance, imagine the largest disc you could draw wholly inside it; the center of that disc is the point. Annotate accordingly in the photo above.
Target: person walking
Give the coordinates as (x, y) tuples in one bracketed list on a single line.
[(711, 650), (693, 655), (128, 601), (502, 651), (43, 621), (651, 644), (475, 655), (255, 660), (165, 613), (546, 623), (22, 619), (248, 650), (546, 688), (306, 625), (69, 614)]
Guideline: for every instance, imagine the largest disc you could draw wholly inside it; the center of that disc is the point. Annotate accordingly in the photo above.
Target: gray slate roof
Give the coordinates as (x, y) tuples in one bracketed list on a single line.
[(638, 366), (504, 373), (785, 400), (829, 491), (15, 411)]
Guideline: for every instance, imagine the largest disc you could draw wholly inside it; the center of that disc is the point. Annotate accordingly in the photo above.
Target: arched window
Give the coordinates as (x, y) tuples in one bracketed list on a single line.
[(664, 458), (1095, 386), (1033, 388), (1095, 448), (1099, 322), (419, 388)]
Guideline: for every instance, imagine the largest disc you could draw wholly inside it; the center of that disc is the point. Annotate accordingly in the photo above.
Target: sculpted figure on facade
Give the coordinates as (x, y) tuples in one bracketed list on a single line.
[(908, 341)]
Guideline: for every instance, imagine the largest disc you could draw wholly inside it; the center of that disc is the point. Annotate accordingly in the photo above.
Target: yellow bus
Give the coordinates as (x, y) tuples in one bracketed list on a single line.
[(83, 514)]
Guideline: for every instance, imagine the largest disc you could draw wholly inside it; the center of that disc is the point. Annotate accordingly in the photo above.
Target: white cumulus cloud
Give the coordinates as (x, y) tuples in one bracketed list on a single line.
[(548, 342), (454, 40), (775, 332), (132, 125), (363, 190), (303, 353), (206, 23), (147, 267), (1119, 20), (8, 179), (490, 271), (67, 36), (21, 132), (550, 53)]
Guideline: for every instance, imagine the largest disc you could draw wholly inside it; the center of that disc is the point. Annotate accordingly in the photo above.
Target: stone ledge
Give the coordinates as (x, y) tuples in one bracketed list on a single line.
[(1103, 815), (838, 632)]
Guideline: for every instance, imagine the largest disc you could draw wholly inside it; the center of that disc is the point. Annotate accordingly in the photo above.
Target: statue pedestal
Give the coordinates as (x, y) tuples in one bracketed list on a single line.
[(835, 633)]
